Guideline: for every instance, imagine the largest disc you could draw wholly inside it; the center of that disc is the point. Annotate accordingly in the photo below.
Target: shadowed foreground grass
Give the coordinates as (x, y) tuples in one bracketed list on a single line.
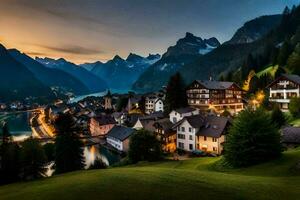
[(199, 178)]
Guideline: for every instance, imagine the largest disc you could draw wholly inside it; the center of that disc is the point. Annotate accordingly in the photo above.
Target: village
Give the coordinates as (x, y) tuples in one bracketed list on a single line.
[(199, 129)]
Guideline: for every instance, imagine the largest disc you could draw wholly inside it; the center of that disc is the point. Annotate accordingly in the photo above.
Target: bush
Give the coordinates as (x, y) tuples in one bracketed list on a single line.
[(144, 146), (278, 117), (49, 150), (294, 107), (252, 139)]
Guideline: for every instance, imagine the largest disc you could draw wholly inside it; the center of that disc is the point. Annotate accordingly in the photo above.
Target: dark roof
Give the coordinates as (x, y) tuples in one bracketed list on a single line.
[(132, 118), (216, 85), (291, 135), (195, 121), (148, 125), (120, 132), (155, 115), (292, 77), (165, 124), (185, 110), (214, 126), (105, 119)]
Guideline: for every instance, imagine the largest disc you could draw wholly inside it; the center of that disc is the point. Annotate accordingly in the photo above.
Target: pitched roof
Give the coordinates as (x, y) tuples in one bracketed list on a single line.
[(155, 115), (165, 124), (292, 77), (120, 132), (185, 110), (291, 135), (196, 121), (211, 126), (215, 85), (105, 119), (214, 126)]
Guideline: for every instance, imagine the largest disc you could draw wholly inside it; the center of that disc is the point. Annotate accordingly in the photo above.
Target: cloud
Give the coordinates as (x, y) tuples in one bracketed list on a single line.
[(73, 49), (35, 53)]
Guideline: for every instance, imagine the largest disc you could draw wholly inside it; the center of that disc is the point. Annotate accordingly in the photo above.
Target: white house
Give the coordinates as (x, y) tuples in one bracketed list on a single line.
[(178, 114), (283, 89), (119, 136), (198, 132), (153, 104)]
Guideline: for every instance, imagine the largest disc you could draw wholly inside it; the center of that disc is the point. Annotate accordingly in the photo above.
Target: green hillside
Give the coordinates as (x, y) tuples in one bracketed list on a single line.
[(199, 178), (269, 70)]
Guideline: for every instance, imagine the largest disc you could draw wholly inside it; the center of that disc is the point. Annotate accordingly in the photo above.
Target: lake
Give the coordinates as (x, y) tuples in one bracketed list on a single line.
[(18, 124), (98, 94)]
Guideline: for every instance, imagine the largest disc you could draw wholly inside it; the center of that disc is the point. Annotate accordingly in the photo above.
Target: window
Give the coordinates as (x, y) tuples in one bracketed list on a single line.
[(214, 139), (214, 148), (191, 147), (174, 119), (181, 145), (190, 129), (204, 138), (182, 129), (181, 136), (178, 128), (191, 137)]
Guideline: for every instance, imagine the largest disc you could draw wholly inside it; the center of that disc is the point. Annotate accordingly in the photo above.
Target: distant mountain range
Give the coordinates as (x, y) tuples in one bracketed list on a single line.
[(17, 82), (120, 74), (195, 58), (91, 81), (50, 76), (185, 51)]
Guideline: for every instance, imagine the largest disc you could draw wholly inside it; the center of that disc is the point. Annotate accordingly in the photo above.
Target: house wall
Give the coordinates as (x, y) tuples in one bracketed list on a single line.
[(282, 91), (176, 117), (99, 130), (189, 140), (126, 144), (209, 145), (138, 125), (115, 143), (159, 106)]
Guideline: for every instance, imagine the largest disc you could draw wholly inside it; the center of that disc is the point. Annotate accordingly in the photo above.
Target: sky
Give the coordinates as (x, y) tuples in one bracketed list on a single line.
[(92, 30)]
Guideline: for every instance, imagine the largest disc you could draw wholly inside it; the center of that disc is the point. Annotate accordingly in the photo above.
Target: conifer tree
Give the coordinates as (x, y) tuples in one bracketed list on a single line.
[(176, 94), (68, 147)]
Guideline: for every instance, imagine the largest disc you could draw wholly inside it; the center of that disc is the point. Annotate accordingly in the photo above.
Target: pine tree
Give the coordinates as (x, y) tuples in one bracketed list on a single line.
[(284, 53), (144, 146), (252, 139), (293, 62), (68, 147), (9, 158), (176, 94), (33, 160)]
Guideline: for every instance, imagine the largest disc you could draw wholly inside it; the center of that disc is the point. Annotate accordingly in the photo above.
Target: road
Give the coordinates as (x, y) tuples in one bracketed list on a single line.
[(43, 130)]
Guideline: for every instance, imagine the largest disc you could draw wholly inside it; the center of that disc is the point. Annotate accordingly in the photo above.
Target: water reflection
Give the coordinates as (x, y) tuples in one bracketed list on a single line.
[(97, 151)]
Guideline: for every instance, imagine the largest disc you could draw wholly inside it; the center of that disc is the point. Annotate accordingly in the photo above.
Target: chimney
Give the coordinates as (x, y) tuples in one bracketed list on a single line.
[(210, 78)]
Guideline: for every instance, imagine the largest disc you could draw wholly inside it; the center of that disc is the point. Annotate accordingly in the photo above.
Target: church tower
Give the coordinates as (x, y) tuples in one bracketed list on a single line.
[(108, 101)]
